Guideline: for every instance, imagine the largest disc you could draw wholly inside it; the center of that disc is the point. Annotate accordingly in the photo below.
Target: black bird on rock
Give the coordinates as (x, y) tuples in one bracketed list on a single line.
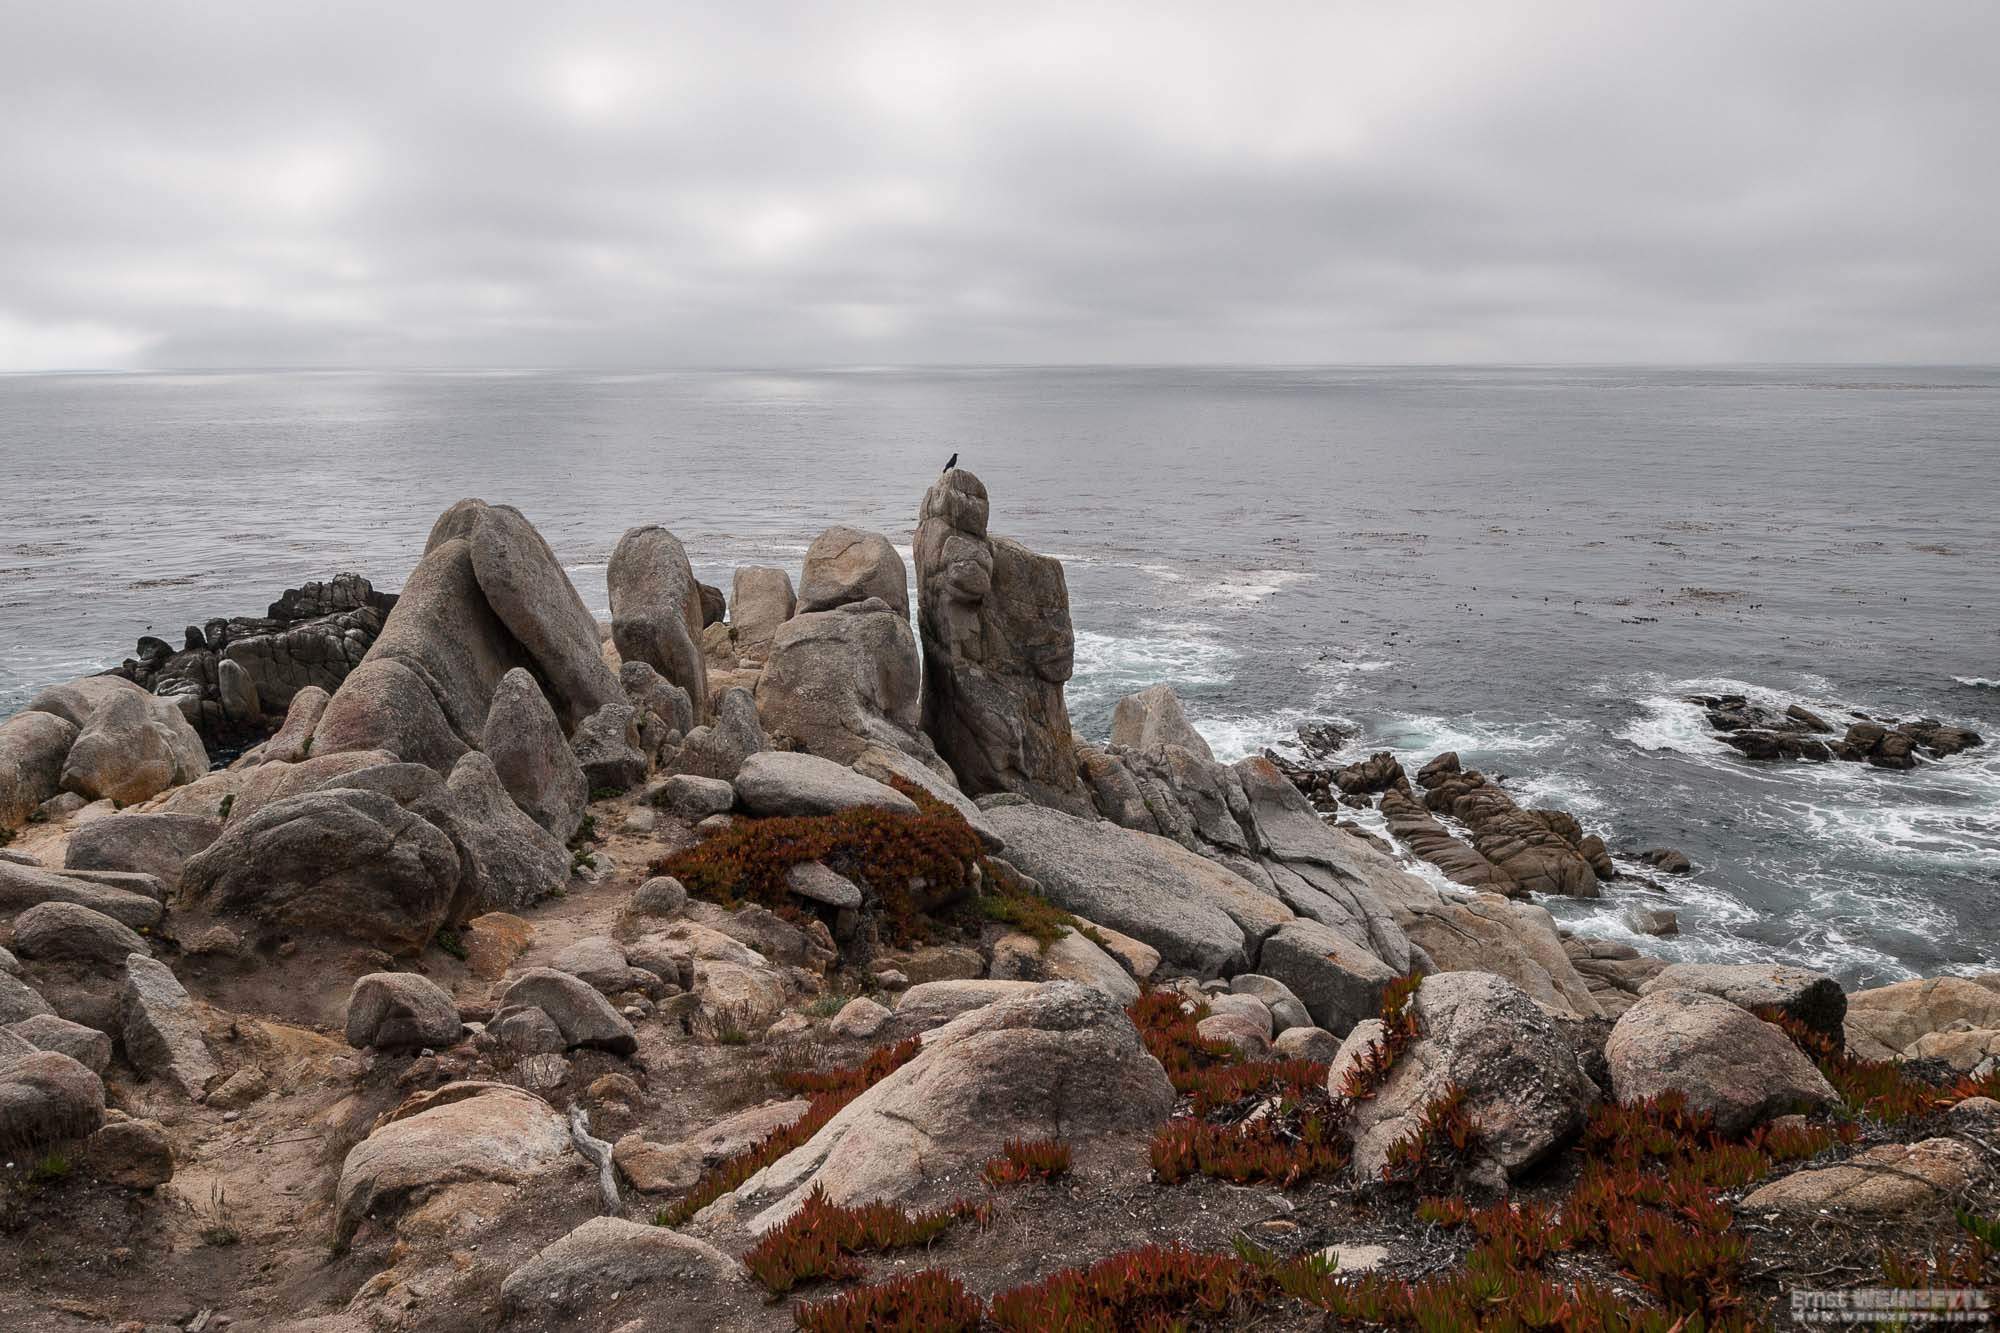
[(951, 463)]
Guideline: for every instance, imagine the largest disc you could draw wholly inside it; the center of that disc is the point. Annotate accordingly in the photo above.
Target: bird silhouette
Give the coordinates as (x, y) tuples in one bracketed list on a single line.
[(951, 463)]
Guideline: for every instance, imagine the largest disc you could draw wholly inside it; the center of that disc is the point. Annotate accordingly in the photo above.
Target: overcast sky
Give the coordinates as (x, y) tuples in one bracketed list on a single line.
[(651, 184)]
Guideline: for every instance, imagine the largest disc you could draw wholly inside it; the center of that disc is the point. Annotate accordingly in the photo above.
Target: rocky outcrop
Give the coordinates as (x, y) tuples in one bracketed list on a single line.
[(231, 673), (780, 783), (1813, 998), (463, 1133), (1730, 1065), (718, 749), (162, 1030), (656, 613), (22, 887), (151, 844), (532, 757), (1883, 1022), (677, 1280), (33, 746), (759, 602), (1202, 918), (46, 1097), (998, 647), (343, 861), (68, 933), (846, 565), (487, 597), (1525, 1091), (400, 1011), (1062, 1060), (839, 682), (1339, 981), (1893, 1180), (579, 1012), (1154, 717), (1540, 851), (133, 746), (1765, 732)]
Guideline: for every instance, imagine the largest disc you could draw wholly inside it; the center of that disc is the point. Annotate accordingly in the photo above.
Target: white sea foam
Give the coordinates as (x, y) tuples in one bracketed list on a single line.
[(1668, 722), (1978, 682), (1415, 737)]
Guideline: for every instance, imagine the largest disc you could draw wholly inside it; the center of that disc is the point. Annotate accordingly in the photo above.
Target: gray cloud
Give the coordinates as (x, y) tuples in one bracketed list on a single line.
[(644, 184)]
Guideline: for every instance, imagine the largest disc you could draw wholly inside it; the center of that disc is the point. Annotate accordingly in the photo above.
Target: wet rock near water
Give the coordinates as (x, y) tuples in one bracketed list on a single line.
[(1762, 732)]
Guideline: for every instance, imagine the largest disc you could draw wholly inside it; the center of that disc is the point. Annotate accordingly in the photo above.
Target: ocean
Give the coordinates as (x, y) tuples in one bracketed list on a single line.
[(1528, 565)]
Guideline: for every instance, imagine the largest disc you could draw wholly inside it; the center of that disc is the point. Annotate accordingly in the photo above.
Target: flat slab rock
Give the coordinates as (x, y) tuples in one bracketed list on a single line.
[(1894, 1178), (778, 783)]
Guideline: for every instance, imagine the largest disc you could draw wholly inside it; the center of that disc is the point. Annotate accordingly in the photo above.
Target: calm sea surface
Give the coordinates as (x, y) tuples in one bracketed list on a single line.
[(1527, 565)]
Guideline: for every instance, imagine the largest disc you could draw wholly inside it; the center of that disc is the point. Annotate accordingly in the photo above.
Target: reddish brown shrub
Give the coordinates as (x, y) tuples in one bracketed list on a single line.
[(1028, 1159), (820, 1239), (925, 1302)]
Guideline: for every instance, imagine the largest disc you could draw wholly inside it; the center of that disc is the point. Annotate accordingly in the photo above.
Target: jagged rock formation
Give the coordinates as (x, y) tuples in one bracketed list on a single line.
[(838, 682), (656, 609), (998, 648)]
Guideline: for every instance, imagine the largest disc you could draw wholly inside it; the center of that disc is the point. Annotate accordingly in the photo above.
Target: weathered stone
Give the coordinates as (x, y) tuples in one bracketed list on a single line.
[(580, 1012), (1249, 1038), (810, 879), (932, 1004), (859, 1019), (22, 887), (133, 747), (599, 962), (33, 746), (482, 1133), (1153, 717), (889, 766), (506, 860), (131, 1153), (760, 601), (1524, 1089), (1894, 1180), (19, 1001), (492, 942), (678, 1280), (687, 796), (777, 783), (162, 1028), (400, 1011), (1729, 1064), (656, 613), (1315, 1044), (532, 758), (524, 584), (1883, 1022), (46, 1097), (152, 844), (526, 1030), (85, 1045), (662, 895), (657, 1168), (1071, 956), (1339, 982), (1287, 1010), (292, 741), (1061, 1060), (1964, 1049), (1813, 998), (997, 649), (650, 692), (840, 682), (846, 565), (384, 706), (748, 999), (66, 932), (719, 749), (607, 745), (1200, 917), (343, 861)]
